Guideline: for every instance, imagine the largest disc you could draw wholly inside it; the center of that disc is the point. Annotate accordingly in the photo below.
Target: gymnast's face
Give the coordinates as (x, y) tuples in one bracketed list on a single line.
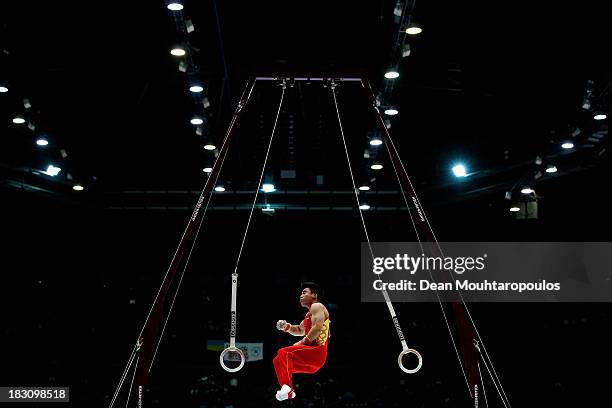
[(307, 298)]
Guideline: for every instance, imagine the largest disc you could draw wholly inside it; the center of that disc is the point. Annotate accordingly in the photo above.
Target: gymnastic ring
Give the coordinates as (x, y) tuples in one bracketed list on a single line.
[(242, 359), (410, 351)]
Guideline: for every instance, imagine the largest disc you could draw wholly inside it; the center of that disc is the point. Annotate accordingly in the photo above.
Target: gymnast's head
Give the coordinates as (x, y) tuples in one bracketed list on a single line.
[(311, 293)]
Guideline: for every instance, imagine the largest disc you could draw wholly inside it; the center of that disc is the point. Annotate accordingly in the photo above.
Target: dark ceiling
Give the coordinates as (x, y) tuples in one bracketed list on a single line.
[(493, 85)]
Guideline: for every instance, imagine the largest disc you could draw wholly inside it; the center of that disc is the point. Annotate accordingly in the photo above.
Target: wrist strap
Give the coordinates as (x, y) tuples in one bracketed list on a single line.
[(287, 327)]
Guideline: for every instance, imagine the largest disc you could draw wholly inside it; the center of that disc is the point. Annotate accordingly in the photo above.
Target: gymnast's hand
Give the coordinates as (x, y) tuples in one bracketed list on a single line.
[(282, 325)]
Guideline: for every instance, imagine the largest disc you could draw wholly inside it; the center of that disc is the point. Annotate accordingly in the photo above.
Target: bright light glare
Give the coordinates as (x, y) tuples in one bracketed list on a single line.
[(268, 188), (174, 6), (459, 170), (391, 74), (414, 30), (53, 171)]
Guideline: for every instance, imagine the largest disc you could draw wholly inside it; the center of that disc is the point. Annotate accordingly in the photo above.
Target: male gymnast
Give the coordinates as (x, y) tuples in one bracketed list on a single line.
[(307, 355)]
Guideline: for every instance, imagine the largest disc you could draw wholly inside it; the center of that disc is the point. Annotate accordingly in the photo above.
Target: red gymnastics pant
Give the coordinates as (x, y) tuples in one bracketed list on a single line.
[(298, 359)]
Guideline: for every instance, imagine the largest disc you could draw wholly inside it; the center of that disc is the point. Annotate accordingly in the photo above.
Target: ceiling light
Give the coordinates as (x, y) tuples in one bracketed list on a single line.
[(459, 170), (174, 6), (78, 187), (207, 170), (3, 89), (567, 145), (375, 142), (220, 189), (527, 190), (268, 209), (268, 188), (376, 166), (364, 207), (18, 120), (551, 169), (196, 88), (209, 146), (52, 170), (42, 142), (391, 74), (391, 112), (196, 121), (514, 209), (364, 188), (177, 52), (413, 29), (600, 116)]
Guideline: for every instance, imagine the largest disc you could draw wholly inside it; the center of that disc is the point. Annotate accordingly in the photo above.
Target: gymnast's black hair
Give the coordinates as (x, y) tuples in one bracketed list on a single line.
[(314, 288)]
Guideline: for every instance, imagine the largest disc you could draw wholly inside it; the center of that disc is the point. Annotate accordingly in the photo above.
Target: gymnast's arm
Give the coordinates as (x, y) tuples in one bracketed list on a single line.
[(297, 330)]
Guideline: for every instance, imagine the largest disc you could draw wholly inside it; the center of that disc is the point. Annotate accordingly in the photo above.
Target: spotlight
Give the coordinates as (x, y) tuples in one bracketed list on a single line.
[(514, 209), (175, 6), (268, 188), (207, 170), (178, 52), (376, 166), (567, 145), (42, 142), (220, 189), (527, 190), (391, 112), (391, 74), (459, 170), (209, 146), (413, 29), (364, 188), (375, 142), (364, 207), (18, 120), (600, 116), (196, 121), (78, 187), (196, 88), (551, 169), (52, 170), (3, 89)]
